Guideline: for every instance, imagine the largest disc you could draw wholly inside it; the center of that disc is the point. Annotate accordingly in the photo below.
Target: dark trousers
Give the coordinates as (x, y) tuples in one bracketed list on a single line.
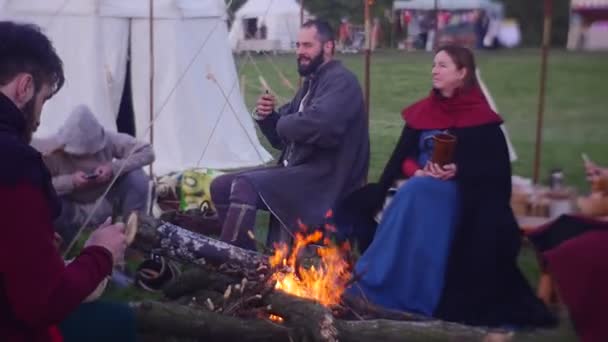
[(236, 202), (128, 194), (100, 321)]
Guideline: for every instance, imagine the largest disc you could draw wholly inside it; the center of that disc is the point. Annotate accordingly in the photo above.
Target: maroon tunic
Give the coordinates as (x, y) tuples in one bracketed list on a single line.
[(37, 291), (575, 250)]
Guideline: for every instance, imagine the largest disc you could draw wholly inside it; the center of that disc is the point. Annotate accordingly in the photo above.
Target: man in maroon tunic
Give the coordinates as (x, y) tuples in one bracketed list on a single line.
[(37, 290)]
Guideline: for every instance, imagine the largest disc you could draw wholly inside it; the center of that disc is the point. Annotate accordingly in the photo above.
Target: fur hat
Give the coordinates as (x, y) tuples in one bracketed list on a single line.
[(81, 133)]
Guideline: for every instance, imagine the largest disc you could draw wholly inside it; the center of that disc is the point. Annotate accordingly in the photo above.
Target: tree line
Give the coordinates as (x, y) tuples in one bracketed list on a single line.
[(528, 13)]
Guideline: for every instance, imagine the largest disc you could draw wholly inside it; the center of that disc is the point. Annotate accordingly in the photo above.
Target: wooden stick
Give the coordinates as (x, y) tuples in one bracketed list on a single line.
[(543, 81)]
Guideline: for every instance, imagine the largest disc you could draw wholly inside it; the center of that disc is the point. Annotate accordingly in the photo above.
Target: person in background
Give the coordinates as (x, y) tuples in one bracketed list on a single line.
[(573, 251), (345, 34), (595, 171), (83, 158)]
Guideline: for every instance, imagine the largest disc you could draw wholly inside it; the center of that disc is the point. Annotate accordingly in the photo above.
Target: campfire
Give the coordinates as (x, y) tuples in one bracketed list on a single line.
[(322, 277), (295, 294)]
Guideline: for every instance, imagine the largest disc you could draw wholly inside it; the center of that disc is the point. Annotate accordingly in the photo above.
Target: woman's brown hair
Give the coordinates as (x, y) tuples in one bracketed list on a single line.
[(463, 58)]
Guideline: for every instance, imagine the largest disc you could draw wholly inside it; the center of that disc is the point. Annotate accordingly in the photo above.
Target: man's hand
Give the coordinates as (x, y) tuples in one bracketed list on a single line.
[(57, 241), (80, 180), (111, 237), (434, 170), (594, 172), (265, 105), (104, 173)]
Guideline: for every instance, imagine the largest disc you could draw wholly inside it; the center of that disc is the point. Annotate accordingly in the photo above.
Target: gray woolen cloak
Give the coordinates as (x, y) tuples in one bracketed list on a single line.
[(325, 148)]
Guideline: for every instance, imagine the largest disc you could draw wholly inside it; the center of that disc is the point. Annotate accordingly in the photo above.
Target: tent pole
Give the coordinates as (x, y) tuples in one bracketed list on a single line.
[(300, 80), (543, 80), (436, 15), (368, 54), (151, 45)]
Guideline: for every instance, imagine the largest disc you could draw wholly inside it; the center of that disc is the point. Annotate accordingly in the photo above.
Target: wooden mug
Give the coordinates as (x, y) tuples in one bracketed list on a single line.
[(443, 149)]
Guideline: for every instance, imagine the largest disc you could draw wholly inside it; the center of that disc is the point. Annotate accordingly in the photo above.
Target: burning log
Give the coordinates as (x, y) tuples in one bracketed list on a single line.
[(388, 330), (303, 321), (230, 295), (183, 322), (366, 310), (197, 279)]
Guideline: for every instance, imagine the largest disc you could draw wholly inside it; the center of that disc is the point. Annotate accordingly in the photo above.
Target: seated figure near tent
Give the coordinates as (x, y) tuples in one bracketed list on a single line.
[(324, 140), (446, 245), (83, 159)]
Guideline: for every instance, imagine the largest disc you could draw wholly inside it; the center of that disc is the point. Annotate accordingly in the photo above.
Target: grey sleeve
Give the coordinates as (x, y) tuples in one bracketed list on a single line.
[(62, 183), (268, 126), (129, 153), (325, 119)]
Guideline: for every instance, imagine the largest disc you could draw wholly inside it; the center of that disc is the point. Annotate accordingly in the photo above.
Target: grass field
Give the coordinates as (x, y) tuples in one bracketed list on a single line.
[(576, 116)]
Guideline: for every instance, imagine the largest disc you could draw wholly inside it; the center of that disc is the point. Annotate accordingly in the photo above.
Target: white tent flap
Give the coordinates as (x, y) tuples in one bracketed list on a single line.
[(162, 8), (187, 103), (281, 17)]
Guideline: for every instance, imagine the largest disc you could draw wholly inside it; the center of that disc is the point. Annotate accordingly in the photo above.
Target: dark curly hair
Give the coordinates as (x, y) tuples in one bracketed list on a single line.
[(25, 49)]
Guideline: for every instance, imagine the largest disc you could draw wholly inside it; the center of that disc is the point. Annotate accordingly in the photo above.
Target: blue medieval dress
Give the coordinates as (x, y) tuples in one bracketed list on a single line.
[(404, 266), (446, 249)]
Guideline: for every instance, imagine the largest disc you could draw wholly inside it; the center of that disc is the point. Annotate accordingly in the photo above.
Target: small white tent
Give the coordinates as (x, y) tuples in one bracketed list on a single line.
[(197, 101), (281, 17)]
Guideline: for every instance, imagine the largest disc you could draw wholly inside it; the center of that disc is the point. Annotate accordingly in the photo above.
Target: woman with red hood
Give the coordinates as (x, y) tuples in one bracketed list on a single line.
[(447, 244)]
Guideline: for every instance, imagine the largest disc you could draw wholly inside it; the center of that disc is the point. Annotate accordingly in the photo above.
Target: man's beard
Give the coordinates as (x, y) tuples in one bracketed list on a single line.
[(313, 65), (31, 121)]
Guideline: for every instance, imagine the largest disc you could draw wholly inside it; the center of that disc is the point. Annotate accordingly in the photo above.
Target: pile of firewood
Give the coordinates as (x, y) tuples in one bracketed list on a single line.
[(227, 294)]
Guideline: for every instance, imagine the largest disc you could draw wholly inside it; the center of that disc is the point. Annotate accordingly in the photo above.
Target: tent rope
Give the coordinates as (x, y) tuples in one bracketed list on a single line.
[(263, 80), (130, 154), (156, 116), (219, 117), (55, 14), (284, 79), (212, 78)]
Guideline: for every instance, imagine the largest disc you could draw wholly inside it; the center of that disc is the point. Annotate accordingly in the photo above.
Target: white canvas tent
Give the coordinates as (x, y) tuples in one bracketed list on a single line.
[(281, 17), (93, 38), (588, 25)]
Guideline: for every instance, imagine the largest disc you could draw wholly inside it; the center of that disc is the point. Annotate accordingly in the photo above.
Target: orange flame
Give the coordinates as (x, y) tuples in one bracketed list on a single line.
[(275, 318), (324, 283)]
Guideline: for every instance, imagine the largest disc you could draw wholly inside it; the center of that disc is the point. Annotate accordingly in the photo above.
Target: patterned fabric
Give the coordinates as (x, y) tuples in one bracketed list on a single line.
[(195, 191)]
